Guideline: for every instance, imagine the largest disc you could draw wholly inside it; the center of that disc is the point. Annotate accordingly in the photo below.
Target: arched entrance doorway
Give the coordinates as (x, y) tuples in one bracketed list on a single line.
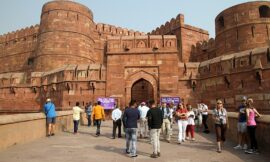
[(142, 90)]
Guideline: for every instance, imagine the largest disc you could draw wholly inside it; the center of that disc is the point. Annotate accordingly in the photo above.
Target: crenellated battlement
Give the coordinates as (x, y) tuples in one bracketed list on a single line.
[(113, 30), (145, 43), (170, 26), (19, 35), (203, 50)]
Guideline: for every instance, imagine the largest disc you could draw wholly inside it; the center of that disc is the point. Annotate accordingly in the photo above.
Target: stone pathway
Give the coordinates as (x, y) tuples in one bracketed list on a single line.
[(84, 147)]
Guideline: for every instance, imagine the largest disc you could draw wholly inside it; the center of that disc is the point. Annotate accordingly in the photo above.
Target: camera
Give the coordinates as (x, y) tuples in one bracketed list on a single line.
[(221, 120)]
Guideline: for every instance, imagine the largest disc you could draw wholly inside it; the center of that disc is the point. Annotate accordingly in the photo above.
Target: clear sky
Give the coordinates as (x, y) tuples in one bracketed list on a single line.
[(140, 15)]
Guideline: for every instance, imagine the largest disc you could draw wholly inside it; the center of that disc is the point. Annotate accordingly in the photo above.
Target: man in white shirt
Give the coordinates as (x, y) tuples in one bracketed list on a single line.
[(76, 116), (204, 117), (143, 121), (116, 117)]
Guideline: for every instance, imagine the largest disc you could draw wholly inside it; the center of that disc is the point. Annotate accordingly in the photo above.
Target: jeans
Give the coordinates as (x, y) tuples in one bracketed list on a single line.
[(76, 125), (155, 133), (116, 124), (131, 140), (98, 123), (89, 120)]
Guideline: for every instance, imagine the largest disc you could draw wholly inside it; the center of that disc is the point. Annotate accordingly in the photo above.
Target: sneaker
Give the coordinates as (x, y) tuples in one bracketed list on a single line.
[(245, 147), (255, 151), (158, 154), (218, 151), (134, 156), (154, 156), (249, 151), (238, 147)]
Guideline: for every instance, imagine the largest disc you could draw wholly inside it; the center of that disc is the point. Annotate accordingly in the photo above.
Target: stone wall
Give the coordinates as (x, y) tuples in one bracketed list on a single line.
[(24, 128), (17, 49), (65, 86)]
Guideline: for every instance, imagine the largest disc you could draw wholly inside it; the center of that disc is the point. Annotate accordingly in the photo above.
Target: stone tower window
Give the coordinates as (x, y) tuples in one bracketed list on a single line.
[(264, 11), (30, 61), (221, 21)]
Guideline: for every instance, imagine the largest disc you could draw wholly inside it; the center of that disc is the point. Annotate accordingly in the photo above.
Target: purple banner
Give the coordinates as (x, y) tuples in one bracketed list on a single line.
[(175, 100), (107, 103)]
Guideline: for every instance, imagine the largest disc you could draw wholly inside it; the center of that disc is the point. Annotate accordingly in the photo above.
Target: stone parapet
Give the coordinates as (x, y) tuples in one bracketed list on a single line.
[(24, 128)]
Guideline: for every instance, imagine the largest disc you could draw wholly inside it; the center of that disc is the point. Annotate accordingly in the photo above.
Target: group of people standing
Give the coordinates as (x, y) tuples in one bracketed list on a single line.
[(149, 120), (155, 119), (246, 125)]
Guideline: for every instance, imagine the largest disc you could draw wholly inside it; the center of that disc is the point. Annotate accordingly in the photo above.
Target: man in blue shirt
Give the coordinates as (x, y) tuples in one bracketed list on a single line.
[(130, 118), (242, 125), (49, 110)]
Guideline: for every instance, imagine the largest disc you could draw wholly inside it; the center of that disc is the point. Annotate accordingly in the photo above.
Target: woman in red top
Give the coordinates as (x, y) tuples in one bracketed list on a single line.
[(181, 114)]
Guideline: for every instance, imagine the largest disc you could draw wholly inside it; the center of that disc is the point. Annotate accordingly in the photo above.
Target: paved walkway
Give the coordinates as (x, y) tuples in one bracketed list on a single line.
[(84, 147)]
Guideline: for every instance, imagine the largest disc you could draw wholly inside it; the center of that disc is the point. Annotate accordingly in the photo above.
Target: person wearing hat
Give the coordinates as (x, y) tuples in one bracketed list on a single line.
[(143, 121), (242, 125), (49, 110)]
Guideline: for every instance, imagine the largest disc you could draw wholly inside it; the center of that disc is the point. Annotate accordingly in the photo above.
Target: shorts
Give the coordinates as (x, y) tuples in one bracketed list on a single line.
[(50, 120), (242, 127)]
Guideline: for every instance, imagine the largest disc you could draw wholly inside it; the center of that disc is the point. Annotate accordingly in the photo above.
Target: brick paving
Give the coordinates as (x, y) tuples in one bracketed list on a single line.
[(66, 147)]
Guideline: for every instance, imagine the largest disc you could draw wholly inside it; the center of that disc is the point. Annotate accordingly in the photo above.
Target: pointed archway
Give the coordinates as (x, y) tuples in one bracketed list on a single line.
[(135, 80), (142, 91)]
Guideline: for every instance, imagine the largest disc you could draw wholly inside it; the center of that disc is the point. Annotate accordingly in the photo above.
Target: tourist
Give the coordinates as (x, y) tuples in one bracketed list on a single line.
[(198, 118), (172, 120), (98, 115), (220, 118), (88, 110), (204, 110), (166, 124), (242, 125), (49, 110), (252, 113), (76, 116), (155, 119), (130, 118), (181, 114), (143, 121), (191, 123), (117, 122)]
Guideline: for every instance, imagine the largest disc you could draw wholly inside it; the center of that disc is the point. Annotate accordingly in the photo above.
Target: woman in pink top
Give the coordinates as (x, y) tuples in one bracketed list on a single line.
[(252, 113)]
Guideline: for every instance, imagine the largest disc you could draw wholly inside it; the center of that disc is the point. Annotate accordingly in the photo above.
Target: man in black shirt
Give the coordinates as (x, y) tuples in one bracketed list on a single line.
[(130, 118), (155, 119)]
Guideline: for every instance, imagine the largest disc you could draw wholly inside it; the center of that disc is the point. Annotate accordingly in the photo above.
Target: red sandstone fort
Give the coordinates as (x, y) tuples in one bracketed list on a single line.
[(70, 58)]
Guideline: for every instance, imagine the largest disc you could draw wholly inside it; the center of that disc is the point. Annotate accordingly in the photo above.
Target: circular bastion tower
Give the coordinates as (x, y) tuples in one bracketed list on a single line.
[(243, 27), (65, 36)]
